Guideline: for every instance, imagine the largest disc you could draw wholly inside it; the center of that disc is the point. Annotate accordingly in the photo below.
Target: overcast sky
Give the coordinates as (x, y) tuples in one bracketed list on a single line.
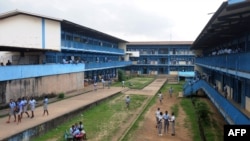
[(130, 20)]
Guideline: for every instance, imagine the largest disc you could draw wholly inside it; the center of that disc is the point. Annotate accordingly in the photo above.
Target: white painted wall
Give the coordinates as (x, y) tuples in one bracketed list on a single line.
[(52, 35), (26, 32)]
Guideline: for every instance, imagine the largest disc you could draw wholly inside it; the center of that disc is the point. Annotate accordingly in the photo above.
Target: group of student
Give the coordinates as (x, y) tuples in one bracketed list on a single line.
[(22, 105), (164, 120), (77, 131)]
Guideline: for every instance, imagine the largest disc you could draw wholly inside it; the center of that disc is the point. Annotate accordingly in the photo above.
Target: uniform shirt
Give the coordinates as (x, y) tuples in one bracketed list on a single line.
[(32, 103), (172, 119), (25, 102), (166, 117), (127, 99), (160, 117), (46, 101), (157, 113), (12, 105)]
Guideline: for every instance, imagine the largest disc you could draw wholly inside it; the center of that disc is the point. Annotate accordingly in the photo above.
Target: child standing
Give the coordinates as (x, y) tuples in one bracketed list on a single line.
[(45, 105)]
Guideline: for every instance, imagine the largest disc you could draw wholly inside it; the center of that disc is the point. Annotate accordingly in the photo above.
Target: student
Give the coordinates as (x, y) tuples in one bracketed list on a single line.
[(8, 63), (19, 110), (95, 86), (160, 97), (25, 106), (166, 122), (103, 83), (170, 91), (172, 120), (123, 83), (12, 106), (159, 124), (81, 126), (32, 103), (45, 105), (127, 101), (157, 113)]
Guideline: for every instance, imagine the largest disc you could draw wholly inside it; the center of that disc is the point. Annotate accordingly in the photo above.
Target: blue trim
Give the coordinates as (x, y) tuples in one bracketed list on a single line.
[(43, 33)]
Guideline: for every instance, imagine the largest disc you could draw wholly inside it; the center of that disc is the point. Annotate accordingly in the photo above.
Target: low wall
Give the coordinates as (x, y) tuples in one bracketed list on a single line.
[(38, 86), (46, 126)]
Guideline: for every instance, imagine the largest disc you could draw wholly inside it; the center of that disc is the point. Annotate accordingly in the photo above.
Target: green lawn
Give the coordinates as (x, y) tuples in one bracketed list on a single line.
[(99, 119), (135, 83)]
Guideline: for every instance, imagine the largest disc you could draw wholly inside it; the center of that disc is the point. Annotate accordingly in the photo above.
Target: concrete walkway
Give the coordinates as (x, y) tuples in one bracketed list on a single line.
[(60, 108), (56, 109), (151, 89)]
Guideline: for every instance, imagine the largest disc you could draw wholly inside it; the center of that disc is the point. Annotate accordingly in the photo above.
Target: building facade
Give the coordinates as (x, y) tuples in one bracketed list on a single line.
[(222, 60), (50, 55), (168, 57)]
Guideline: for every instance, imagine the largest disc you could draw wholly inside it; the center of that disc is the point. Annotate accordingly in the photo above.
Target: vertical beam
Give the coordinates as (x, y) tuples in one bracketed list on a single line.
[(43, 33)]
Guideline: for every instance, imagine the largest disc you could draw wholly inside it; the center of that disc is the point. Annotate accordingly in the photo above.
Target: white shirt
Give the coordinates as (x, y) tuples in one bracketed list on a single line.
[(32, 103), (157, 113), (172, 118)]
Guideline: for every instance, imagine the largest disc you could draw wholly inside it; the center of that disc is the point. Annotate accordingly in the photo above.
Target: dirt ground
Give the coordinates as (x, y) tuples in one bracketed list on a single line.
[(148, 131)]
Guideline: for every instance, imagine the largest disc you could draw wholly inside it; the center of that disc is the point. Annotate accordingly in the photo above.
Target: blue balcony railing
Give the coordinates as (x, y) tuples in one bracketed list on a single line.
[(28, 71), (69, 45), (232, 114), (106, 65), (237, 61)]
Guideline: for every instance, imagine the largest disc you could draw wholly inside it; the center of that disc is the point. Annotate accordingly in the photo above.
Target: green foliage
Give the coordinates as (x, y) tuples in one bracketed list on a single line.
[(121, 75), (136, 82), (191, 121), (99, 120), (61, 95), (175, 109), (203, 112)]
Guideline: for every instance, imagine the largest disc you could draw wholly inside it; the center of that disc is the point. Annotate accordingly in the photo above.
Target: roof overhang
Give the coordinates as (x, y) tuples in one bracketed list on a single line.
[(18, 12), (88, 32), (227, 23)]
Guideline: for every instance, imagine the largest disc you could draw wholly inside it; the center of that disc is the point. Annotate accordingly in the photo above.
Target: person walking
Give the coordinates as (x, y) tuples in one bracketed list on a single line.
[(127, 101), (25, 106), (19, 110), (166, 122), (160, 97), (95, 86), (170, 91), (45, 105), (12, 107), (157, 113), (123, 83), (32, 103), (103, 83), (172, 120), (159, 124)]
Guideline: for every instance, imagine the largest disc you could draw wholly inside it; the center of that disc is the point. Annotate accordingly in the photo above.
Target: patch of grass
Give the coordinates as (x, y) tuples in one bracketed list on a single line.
[(100, 119), (175, 109), (191, 121), (135, 83)]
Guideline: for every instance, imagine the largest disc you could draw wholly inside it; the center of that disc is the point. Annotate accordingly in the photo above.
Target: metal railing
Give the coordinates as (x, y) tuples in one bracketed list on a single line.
[(232, 114)]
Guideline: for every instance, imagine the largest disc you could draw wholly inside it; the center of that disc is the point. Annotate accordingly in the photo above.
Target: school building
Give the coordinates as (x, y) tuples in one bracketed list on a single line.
[(50, 55), (222, 52)]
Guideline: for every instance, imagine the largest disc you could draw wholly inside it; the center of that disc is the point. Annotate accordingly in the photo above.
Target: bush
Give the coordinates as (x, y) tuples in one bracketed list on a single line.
[(203, 112), (61, 96), (121, 75)]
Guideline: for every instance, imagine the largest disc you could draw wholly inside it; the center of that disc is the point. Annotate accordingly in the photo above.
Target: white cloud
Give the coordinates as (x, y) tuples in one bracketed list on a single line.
[(131, 20)]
